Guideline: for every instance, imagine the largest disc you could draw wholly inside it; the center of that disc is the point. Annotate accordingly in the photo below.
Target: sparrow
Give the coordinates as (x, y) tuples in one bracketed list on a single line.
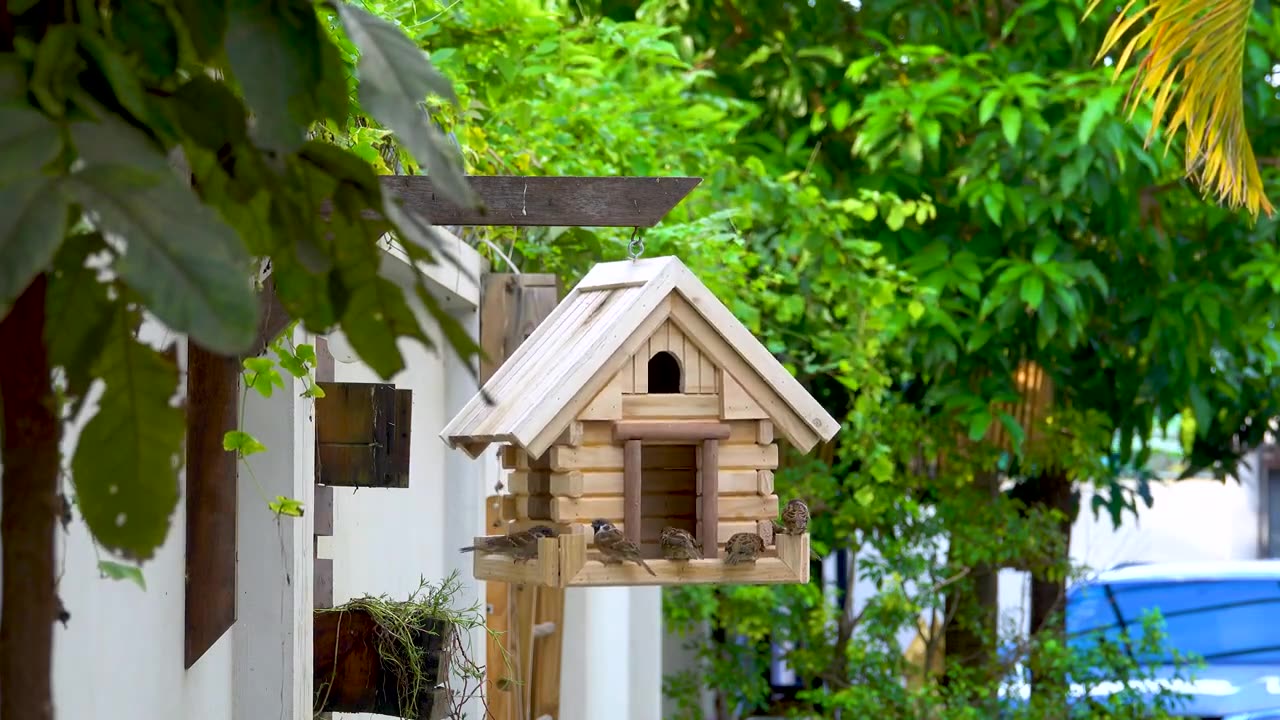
[(615, 548), (795, 519), (520, 546), (743, 548), (678, 544)]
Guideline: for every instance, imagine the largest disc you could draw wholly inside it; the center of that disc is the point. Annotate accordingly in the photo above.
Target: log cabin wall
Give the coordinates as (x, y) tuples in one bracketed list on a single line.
[(581, 477)]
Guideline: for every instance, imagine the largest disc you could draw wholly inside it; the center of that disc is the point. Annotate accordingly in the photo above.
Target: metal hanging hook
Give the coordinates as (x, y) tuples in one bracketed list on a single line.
[(635, 246)]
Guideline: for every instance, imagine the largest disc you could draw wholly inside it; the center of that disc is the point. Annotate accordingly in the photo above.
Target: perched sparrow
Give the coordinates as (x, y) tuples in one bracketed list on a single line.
[(526, 542), (795, 519), (743, 548), (678, 544), (519, 546), (615, 548)]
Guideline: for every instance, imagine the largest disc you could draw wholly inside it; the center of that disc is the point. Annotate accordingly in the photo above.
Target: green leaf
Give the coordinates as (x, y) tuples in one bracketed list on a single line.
[(1044, 248), (840, 115), (124, 81), (865, 495), (29, 140), (261, 376), (307, 354), (33, 219), (56, 60), (1067, 21), (286, 506), (241, 443), (376, 315), (144, 27), (987, 108), (1095, 108), (78, 312), (979, 422), (915, 309), (209, 113), (993, 203), (1033, 290), (1014, 428), (1203, 410), (395, 78), (120, 571), (280, 55), (125, 467), (198, 281), (1011, 123), (205, 22)]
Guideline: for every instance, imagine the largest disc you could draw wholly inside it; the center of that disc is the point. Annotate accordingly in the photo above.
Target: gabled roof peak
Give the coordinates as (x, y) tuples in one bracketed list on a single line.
[(578, 349)]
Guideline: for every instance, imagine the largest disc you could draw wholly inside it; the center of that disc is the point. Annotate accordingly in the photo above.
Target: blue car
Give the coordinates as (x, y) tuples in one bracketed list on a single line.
[(1226, 613)]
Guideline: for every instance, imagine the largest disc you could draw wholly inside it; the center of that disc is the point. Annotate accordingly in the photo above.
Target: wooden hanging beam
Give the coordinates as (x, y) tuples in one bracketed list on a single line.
[(548, 201), (670, 431)]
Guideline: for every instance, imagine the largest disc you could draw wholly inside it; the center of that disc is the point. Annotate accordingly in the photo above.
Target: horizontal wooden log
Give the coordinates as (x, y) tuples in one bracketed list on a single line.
[(577, 483), (668, 430), (514, 458), (731, 507), (667, 407), (741, 432), (606, 457), (531, 482), (548, 201)]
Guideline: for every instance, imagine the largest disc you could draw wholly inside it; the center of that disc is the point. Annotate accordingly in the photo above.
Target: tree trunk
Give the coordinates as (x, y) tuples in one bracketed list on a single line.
[(1052, 491), (972, 609), (28, 518)]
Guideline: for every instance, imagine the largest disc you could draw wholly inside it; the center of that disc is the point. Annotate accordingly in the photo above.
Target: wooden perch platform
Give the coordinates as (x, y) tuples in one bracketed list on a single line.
[(548, 201), (564, 561)]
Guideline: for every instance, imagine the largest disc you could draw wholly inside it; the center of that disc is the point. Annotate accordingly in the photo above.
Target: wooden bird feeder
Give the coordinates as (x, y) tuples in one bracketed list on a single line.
[(642, 400)]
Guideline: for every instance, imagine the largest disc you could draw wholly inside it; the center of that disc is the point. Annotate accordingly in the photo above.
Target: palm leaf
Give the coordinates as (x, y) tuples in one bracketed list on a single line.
[(1193, 73)]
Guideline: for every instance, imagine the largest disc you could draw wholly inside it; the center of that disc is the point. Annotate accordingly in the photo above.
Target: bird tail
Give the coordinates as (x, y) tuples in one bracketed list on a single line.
[(645, 565), (469, 548)]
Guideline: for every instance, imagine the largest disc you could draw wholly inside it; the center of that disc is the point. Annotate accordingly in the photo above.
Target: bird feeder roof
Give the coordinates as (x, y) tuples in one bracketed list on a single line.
[(585, 341)]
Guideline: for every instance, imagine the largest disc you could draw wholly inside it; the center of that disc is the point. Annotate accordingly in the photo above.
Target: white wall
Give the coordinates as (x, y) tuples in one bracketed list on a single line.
[(121, 655), (611, 658)]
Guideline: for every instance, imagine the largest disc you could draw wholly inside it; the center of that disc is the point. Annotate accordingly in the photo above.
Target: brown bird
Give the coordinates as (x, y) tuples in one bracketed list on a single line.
[(743, 548), (520, 546), (615, 548), (678, 544), (795, 519)]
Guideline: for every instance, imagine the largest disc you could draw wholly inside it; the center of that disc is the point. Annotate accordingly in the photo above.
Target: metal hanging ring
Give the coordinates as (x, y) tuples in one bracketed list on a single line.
[(635, 246)]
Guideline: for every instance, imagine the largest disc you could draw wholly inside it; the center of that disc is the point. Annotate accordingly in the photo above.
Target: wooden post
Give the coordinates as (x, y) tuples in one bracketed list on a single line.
[(709, 461), (511, 307), (631, 490)]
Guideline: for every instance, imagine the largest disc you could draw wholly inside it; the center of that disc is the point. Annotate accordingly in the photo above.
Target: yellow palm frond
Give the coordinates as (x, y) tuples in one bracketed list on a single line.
[(1193, 72)]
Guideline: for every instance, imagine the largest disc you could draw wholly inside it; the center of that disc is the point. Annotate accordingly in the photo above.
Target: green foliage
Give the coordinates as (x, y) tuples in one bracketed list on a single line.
[(120, 571), (99, 104)]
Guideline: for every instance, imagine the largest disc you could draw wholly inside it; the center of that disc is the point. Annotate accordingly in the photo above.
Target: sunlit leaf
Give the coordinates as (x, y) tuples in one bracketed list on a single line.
[(1192, 70)]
